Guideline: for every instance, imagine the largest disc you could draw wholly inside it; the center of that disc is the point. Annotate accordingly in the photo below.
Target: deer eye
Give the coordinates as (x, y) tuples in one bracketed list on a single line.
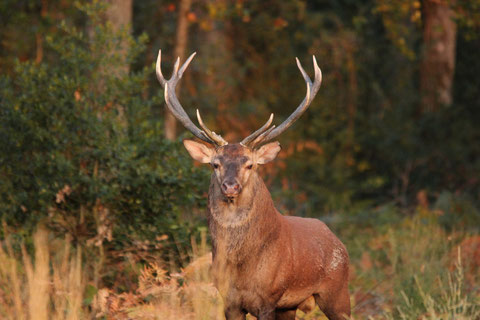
[(250, 166), (215, 165)]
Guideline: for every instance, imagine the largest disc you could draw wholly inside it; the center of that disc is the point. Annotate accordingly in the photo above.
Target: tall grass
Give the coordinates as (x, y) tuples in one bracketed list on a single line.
[(408, 271), (413, 270), (49, 286), (451, 304), (188, 294)]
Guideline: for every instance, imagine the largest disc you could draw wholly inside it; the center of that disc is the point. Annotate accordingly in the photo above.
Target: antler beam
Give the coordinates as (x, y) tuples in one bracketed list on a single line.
[(266, 133), (176, 108)]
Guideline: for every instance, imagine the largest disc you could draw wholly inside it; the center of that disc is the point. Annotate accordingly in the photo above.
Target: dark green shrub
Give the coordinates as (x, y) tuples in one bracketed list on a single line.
[(81, 144)]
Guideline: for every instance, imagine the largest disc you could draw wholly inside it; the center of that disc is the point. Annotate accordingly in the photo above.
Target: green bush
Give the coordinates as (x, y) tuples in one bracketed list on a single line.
[(82, 145)]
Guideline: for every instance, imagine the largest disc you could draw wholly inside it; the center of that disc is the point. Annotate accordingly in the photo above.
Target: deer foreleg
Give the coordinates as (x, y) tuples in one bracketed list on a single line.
[(285, 314), (233, 312)]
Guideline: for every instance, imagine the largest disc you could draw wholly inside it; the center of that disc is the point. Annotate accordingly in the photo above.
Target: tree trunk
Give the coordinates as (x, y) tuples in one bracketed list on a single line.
[(179, 51), (119, 14), (438, 65)]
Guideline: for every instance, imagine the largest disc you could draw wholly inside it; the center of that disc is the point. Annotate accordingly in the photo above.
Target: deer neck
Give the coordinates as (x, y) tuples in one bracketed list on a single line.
[(252, 215)]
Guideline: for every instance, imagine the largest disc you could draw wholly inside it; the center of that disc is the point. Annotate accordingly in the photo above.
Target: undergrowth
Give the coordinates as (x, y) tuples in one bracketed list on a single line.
[(411, 270)]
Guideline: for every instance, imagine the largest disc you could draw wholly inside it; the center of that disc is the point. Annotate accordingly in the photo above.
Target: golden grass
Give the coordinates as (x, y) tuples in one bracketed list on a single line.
[(50, 281), (11, 305), (49, 286), (452, 304), (189, 295)]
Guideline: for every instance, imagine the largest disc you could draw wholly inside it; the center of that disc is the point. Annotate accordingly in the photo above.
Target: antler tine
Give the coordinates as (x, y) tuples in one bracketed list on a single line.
[(257, 133), (304, 74), (176, 108), (312, 89), (217, 138), (185, 65), (175, 67), (158, 69), (173, 105), (262, 136)]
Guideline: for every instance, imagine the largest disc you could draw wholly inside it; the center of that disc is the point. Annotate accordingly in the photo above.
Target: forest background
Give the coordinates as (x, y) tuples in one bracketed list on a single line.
[(103, 211)]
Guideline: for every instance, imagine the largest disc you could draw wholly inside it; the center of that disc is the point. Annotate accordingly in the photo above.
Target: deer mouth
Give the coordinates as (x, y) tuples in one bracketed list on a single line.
[(230, 200), (231, 195)]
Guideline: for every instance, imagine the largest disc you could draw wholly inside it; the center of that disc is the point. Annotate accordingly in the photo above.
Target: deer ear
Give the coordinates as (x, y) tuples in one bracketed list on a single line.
[(199, 151), (267, 152)]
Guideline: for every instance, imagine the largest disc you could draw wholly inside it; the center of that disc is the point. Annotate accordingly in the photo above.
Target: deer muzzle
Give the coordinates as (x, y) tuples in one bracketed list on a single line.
[(231, 188)]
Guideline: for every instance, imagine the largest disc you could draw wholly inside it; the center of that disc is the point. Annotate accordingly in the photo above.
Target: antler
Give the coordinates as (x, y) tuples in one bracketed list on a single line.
[(266, 133), (176, 108)]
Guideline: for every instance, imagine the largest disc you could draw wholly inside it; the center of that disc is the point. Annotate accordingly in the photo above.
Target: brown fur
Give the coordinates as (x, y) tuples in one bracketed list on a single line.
[(267, 264)]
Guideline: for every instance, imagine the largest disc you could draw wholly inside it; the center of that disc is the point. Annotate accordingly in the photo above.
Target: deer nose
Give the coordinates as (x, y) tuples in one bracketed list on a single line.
[(230, 188)]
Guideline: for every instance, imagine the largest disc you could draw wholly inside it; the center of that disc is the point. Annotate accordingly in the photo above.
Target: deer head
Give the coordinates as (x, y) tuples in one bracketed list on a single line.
[(233, 164)]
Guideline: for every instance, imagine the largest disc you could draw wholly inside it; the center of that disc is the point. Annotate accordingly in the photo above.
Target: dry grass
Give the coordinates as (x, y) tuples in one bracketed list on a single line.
[(49, 286), (162, 296), (415, 270), (410, 262), (188, 294), (452, 303)]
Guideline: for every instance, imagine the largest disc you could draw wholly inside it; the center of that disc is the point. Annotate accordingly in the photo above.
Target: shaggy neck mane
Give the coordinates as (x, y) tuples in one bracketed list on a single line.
[(238, 225)]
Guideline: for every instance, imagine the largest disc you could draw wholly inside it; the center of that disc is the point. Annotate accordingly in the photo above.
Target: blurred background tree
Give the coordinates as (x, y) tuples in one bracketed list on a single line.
[(82, 118)]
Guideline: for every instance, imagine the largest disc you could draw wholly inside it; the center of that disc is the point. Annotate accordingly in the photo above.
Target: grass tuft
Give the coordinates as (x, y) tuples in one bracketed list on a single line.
[(48, 284)]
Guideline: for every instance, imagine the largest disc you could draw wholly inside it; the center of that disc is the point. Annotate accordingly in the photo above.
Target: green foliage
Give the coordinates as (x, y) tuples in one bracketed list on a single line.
[(80, 144), (363, 142), (452, 303), (410, 268)]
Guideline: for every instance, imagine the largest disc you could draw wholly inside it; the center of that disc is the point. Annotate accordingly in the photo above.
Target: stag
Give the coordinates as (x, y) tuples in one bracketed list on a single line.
[(264, 263)]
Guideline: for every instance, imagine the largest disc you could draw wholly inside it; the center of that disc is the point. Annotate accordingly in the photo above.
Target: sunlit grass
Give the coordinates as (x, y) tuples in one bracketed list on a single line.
[(412, 270), (49, 285), (452, 302)]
